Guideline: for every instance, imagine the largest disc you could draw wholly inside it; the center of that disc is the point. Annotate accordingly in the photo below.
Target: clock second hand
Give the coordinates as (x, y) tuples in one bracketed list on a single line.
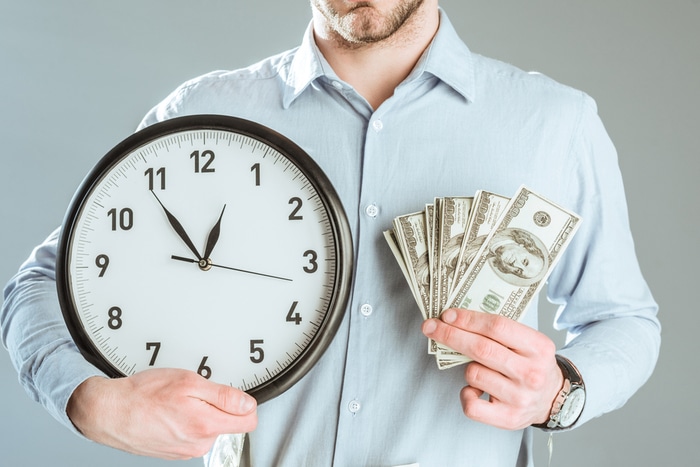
[(190, 260)]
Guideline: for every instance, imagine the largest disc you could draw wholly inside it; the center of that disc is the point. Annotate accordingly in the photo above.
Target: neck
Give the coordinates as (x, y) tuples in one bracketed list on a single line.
[(374, 69)]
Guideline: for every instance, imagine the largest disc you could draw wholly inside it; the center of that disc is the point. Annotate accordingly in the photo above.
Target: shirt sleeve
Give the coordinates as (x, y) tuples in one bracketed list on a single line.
[(613, 334), (48, 363)]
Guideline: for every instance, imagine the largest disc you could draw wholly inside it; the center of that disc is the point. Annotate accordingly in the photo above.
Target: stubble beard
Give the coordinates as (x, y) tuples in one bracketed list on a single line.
[(364, 25)]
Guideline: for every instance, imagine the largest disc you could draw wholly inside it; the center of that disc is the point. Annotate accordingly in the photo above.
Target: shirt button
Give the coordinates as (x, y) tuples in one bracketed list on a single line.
[(354, 406), (366, 309), (377, 125), (337, 84), (372, 210)]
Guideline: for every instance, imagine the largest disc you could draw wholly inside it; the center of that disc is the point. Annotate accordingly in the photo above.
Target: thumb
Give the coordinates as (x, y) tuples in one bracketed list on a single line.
[(227, 399)]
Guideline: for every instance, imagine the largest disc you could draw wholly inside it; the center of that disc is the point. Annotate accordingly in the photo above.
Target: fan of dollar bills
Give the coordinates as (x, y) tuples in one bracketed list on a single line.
[(487, 253)]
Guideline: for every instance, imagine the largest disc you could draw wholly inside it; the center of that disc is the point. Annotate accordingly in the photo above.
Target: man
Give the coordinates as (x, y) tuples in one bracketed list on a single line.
[(374, 86)]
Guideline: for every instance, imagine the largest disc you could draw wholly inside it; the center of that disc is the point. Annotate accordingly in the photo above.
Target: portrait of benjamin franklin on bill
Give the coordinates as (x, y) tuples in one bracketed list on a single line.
[(515, 255)]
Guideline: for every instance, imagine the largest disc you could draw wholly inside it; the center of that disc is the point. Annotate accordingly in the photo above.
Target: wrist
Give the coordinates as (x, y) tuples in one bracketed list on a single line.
[(569, 402), (85, 404), (562, 387)]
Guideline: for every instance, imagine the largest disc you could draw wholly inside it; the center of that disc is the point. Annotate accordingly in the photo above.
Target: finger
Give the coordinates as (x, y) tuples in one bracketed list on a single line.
[(227, 410), (492, 411), (220, 422), (512, 334), (475, 346), (482, 410), (473, 406), (487, 380), (470, 393), (225, 398)]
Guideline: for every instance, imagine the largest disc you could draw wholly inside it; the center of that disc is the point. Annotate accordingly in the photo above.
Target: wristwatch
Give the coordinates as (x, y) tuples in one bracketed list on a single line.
[(568, 404)]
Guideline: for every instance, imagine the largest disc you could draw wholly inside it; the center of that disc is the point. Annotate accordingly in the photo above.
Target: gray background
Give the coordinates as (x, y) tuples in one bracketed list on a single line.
[(77, 76)]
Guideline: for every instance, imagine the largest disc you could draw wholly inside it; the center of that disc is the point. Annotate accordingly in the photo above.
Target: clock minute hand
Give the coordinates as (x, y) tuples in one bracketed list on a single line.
[(209, 264), (213, 235), (179, 229)]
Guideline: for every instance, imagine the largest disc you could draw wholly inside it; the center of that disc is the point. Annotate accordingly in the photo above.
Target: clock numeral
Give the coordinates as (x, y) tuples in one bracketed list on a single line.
[(156, 348), (294, 216), (207, 157), (292, 316), (160, 173), (102, 262), (203, 370), (124, 219), (312, 267), (257, 354), (115, 318), (256, 169)]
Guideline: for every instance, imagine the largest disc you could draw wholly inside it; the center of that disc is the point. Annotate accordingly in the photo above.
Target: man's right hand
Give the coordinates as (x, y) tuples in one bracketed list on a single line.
[(165, 413)]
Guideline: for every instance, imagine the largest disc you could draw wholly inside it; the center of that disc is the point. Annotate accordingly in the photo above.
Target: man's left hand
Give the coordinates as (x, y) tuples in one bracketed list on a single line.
[(512, 363)]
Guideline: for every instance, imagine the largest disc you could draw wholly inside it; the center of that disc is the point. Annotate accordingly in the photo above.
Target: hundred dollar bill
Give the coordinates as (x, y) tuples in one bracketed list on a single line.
[(485, 211), (410, 235), (432, 219), (429, 214), (450, 225), (454, 218), (390, 237), (516, 258)]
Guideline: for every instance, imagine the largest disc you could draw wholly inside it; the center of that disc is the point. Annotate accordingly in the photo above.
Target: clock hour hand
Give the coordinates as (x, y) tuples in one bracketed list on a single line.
[(213, 235), (175, 224), (206, 264)]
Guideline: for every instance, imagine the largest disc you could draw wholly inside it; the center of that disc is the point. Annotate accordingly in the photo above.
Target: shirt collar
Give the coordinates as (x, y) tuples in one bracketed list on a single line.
[(447, 58), (306, 66)]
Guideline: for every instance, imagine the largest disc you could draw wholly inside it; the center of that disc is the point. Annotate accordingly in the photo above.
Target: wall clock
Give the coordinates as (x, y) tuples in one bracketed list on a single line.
[(209, 243)]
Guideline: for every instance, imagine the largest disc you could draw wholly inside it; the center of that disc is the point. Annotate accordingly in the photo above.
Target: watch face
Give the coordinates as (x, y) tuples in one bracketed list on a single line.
[(207, 243), (572, 408)]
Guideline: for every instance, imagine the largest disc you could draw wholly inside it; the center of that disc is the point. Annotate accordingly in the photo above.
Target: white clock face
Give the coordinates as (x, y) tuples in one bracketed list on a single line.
[(209, 250)]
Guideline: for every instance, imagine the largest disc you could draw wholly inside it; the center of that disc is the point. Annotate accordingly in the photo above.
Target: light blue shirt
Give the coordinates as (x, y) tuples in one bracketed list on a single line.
[(460, 122)]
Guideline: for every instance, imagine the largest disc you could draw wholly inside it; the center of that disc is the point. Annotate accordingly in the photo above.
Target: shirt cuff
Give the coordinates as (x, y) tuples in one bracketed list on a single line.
[(615, 358)]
